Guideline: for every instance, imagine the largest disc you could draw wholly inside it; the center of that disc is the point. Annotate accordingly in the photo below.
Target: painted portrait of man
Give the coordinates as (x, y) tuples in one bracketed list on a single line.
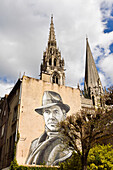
[(49, 148)]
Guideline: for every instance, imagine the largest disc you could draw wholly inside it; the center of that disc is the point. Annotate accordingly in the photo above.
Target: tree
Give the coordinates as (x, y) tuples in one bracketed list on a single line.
[(109, 95), (82, 130)]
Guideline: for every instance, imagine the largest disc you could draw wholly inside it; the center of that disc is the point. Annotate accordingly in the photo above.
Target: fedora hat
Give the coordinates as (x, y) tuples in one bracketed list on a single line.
[(49, 99)]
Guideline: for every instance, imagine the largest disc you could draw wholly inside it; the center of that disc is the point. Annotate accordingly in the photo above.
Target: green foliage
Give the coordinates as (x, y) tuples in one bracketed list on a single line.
[(18, 136), (36, 168), (15, 166), (109, 96), (74, 163), (101, 157)]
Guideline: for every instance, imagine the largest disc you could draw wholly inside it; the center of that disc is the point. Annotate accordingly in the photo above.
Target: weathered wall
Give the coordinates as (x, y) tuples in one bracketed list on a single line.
[(12, 124), (86, 103), (31, 124), (46, 77)]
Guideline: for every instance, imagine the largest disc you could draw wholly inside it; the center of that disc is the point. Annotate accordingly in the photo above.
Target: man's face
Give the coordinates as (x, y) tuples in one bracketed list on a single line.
[(52, 116)]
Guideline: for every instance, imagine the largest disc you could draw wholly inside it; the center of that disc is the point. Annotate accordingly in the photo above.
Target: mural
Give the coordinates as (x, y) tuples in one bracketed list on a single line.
[(49, 148)]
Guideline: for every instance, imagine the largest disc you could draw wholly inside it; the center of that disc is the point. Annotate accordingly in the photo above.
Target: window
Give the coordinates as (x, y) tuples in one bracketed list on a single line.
[(50, 61), (55, 62), (15, 112), (93, 99), (50, 50), (55, 78)]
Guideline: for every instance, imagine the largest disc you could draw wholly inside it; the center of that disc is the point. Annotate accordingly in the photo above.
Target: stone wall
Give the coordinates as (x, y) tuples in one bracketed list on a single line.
[(31, 124), (45, 77), (86, 103)]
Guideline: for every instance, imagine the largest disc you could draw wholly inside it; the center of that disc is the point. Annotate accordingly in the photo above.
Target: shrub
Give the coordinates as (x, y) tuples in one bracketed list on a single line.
[(74, 163), (101, 157)]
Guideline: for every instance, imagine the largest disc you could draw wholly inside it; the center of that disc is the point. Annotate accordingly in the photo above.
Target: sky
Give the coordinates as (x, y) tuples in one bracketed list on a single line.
[(24, 32)]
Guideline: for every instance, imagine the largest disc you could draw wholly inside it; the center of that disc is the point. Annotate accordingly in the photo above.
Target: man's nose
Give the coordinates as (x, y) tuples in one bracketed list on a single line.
[(51, 115)]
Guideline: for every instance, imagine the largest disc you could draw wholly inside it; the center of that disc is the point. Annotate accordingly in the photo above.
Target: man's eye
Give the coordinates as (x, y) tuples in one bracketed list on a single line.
[(55, 111), (47, 111)]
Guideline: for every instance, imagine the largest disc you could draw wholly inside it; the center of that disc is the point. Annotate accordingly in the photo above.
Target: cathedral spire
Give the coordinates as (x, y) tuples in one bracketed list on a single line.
[(52, 40), (52, 68), (92, 83)]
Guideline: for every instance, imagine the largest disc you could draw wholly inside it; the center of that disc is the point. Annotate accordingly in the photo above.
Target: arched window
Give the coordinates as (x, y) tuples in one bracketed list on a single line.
[(50, 61), (50, 50), (55, 78), (93, 99), (55, 62)]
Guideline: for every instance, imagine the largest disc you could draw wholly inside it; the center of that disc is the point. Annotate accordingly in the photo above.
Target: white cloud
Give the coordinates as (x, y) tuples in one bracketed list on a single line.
[(107, 66), (24, 29), (5, 88), (103, 79)]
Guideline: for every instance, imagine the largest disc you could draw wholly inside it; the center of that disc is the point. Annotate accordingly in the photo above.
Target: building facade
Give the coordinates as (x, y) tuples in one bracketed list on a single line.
[(9, 109), (17, 110)]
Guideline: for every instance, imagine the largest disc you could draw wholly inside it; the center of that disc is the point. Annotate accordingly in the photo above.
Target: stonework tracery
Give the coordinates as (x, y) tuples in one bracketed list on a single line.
[(52, 65)]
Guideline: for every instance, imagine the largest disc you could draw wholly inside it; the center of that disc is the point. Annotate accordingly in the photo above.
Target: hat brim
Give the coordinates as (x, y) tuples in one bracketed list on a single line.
[(64, 106)]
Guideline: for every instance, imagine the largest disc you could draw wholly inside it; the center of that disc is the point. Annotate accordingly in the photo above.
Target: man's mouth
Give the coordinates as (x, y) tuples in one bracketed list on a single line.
[(53, 122)]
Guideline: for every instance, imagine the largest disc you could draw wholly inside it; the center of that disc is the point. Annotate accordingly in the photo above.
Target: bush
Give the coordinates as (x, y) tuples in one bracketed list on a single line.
[(74, 163), (36, 168), (15, 166), (101, 157)]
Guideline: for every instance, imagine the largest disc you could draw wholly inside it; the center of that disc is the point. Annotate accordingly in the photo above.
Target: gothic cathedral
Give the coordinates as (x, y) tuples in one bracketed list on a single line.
[(52, 69)]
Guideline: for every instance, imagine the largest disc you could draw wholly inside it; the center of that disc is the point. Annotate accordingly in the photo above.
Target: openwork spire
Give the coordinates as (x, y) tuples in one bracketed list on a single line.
[(52, 39), (52, 67)]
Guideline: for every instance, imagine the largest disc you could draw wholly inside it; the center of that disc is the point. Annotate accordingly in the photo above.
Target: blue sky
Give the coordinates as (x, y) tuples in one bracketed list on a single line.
[(108, 21), (107, 13), (24, 31)]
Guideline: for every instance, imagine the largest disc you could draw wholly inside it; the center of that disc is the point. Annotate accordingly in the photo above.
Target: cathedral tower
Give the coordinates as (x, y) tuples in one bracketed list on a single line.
[(92, 84), (52, 67)]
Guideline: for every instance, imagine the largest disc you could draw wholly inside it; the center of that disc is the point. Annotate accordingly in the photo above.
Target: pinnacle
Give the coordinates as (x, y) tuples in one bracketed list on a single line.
[(52, 32), (86, 37), (51, 18)]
